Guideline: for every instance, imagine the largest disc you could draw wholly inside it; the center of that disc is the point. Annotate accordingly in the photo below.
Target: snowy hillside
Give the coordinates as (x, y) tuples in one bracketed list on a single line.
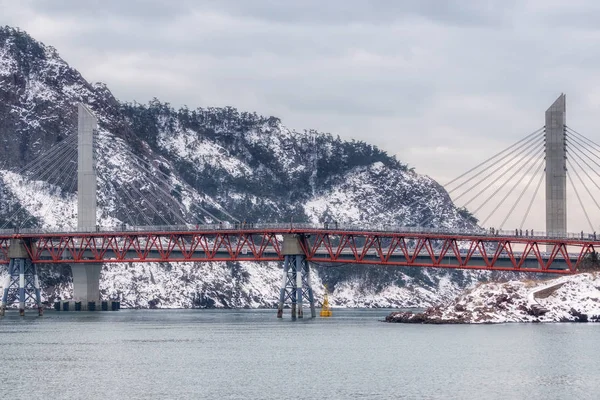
[(200, 165)]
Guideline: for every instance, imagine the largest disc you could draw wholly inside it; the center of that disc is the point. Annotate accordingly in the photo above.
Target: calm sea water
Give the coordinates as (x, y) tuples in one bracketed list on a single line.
[(200, 354)]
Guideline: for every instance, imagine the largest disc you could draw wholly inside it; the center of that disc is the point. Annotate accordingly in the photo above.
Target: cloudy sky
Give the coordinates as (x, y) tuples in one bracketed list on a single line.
[(443, 85)]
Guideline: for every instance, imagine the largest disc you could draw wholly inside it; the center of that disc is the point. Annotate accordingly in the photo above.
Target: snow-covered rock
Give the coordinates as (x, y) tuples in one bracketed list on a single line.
[(574, 298)]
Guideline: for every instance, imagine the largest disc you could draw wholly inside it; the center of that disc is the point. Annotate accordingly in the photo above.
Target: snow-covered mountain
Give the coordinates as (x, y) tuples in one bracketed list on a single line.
[(200, 165)]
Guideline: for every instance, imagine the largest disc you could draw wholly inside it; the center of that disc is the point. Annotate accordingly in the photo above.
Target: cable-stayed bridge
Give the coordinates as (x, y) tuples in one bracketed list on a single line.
[(499, 185)]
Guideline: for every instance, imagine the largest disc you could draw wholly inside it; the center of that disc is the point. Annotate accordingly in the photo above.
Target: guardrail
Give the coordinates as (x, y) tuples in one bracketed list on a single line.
[(298, 226)]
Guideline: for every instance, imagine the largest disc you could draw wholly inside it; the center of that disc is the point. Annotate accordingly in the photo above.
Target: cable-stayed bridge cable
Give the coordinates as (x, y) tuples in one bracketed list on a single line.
[(530, 151), (140, 161), (151, 194), (46, 165), (585, 162), (584, 149), (519, 170), (532, 200), (221, 209), (49, 174), (169, 197), (578, 156), (40, 174), (57, 171), (130, 220), (590, 141), (580, 202), (522, 153), (588, 176), (518, 163), (526, 140), (149, 203), (583, 140), (136, 205), (514, 206), (532, 142), (44, 156), (520, 195), (495, 155), (587, 189), (73, 185), (581, 153), (71, 170)]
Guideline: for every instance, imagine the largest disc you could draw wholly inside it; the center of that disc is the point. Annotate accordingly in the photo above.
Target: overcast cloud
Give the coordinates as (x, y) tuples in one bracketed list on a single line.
[(443, 85)]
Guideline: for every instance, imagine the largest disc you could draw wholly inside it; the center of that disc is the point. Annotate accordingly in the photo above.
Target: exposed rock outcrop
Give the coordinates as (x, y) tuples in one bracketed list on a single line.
[(567, 299)]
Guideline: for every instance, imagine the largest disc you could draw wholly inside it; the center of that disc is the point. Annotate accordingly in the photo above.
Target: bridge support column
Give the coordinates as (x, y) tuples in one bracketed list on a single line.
[(22, 282), (284, 287), (299, 267), (296, 283), (86, 284), (86, 278), (308, 284)]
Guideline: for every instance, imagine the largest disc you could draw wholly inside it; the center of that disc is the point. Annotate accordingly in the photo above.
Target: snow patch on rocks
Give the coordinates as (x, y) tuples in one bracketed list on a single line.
[(567, 299)]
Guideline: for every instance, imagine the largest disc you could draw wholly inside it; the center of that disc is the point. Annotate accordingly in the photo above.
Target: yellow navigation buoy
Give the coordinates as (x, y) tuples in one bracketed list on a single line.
[(325, 309)]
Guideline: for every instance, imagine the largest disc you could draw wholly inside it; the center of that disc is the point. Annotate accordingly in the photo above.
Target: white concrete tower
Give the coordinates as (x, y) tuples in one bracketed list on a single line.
[(556, 168), (86, 278), (86, 169)]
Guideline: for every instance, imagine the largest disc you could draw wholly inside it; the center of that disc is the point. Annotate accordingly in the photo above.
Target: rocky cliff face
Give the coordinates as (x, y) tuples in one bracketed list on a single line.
[(200, 165)]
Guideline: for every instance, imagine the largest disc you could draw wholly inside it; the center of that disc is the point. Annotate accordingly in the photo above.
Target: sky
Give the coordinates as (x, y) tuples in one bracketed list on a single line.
[(441, 85)]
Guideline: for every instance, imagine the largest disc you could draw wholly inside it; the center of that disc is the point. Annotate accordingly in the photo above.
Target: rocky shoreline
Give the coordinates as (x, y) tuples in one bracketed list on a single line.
[(573, 298)]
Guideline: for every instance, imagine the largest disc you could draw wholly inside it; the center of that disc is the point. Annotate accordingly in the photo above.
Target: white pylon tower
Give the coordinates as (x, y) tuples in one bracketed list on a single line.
[(556, 168), (86, 278)]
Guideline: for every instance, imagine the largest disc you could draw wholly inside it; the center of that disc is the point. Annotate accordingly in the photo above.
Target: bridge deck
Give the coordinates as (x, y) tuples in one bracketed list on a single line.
[(320, 245)]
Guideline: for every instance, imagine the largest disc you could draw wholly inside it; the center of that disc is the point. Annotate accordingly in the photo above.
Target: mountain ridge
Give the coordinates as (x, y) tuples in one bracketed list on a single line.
[(216, 162)]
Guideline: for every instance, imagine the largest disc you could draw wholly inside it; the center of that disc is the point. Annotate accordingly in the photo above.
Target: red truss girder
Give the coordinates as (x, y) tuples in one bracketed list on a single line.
[(154, 247), (443, 251), (502, 253)]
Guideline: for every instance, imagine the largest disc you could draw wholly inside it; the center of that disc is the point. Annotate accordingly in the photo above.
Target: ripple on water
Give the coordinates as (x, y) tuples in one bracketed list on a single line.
[(232, 354)]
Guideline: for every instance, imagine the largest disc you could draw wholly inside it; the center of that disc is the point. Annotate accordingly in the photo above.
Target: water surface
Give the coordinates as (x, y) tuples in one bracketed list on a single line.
[(249, 354)]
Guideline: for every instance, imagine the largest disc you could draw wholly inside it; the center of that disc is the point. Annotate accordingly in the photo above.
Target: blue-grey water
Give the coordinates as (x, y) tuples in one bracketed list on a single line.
[(206, 354)]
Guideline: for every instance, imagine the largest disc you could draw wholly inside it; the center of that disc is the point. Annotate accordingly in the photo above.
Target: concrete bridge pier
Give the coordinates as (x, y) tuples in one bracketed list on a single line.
[(296, 284), (22, 282), (86, 285)]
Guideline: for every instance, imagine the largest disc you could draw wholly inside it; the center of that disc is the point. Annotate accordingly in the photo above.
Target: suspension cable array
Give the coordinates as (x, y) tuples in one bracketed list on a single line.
[(166, 189), (497, 186), (138, 191), (52, 173), (583, 160), (493, 185), (142, 193)]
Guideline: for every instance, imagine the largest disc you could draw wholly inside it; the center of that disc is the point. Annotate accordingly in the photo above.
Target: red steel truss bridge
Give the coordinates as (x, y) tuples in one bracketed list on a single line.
[(499, 252), (498, 187)]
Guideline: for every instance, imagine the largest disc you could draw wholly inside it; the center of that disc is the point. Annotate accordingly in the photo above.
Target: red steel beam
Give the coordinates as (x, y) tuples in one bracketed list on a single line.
[(481, 252)]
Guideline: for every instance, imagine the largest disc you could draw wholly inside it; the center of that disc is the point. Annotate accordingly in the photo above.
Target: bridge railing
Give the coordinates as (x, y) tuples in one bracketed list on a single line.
[(301, 225)]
